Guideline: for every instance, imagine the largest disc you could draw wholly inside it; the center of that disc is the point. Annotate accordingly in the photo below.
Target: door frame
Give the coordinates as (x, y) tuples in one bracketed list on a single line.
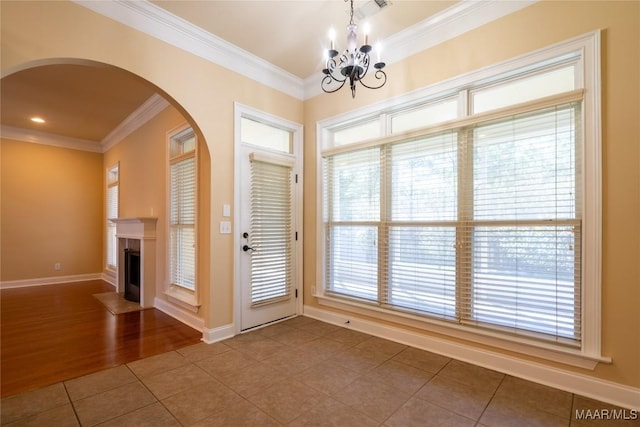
[(296, 129)]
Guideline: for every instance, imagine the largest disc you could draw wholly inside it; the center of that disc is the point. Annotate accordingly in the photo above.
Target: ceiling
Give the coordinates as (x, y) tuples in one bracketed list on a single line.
[(87, 103)]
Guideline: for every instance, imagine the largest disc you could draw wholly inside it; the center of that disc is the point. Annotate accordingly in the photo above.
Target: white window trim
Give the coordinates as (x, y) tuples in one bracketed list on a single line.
[(179, 295), (111, 269), (589, 354)]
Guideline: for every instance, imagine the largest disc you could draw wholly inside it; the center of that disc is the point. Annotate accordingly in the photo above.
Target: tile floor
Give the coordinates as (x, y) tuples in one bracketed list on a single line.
[(301, 372)]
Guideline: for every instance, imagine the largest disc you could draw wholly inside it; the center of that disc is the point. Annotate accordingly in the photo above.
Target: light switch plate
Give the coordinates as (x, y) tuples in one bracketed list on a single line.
[(226, 210), (225, 227)]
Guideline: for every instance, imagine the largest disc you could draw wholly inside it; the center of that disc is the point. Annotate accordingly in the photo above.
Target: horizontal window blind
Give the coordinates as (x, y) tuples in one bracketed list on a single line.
[(353, 227), (182, 219), (480, 225), (271, 232), (522, 267), (112, 213)]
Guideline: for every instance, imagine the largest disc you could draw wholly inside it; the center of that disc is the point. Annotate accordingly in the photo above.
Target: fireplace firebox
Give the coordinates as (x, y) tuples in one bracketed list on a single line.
[(132, 275)]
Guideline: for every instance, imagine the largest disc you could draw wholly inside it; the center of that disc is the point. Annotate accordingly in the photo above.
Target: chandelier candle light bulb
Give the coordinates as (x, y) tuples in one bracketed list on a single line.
[(352, 64)]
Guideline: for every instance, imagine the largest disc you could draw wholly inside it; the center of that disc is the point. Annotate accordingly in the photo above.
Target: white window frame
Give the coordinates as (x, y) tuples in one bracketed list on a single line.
[(177, 294), (587, 47), (112, 179)]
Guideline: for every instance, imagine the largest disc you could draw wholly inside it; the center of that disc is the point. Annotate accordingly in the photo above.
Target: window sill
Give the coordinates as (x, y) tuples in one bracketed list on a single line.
[(521, 345), (183, 298)]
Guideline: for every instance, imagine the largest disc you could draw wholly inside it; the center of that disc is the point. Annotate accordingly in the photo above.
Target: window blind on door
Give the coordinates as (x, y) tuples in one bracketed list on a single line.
[(112, 213), (271, 233), (182, 219)]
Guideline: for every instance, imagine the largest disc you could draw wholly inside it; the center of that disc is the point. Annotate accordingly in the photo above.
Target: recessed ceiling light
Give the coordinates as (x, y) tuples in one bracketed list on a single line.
[(37, 119)]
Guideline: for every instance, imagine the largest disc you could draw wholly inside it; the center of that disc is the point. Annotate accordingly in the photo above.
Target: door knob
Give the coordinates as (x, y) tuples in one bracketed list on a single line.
[(247, 248)]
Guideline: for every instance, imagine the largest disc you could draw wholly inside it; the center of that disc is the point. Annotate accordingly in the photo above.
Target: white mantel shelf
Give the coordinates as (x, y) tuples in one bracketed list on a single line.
[(136, 227), (141, 232)]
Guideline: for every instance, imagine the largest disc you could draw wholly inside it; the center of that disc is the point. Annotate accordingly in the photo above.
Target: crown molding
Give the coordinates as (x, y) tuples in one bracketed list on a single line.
[(458, 19), (148, 110), (150, 19), (37, 137), (163, 25)]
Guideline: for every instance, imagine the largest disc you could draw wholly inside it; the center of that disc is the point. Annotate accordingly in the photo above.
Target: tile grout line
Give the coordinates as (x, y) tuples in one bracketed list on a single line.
[(73, 406)]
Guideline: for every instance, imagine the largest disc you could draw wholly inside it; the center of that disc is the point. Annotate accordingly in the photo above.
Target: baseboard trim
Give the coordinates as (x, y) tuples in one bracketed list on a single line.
[(187, 318), (41, 281), (595, 388), (110, 277), (218, 334)]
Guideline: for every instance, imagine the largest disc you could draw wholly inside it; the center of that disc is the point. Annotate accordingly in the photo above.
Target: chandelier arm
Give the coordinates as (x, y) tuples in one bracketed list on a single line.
[(380, 75), (328, 80)]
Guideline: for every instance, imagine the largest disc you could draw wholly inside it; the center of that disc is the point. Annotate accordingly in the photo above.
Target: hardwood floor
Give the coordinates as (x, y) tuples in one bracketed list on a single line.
[(58, 332)]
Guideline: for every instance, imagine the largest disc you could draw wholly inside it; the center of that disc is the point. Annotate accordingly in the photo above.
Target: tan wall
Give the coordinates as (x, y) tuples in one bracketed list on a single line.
[(538, 26), (204, 91), (51, 211)]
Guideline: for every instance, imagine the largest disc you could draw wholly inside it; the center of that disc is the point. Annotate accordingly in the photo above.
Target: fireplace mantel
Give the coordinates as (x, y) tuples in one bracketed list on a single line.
[(136, 227), (139, 233)]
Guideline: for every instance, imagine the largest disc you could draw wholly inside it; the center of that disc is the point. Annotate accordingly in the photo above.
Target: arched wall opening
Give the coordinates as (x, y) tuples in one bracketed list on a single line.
[(55, 182)]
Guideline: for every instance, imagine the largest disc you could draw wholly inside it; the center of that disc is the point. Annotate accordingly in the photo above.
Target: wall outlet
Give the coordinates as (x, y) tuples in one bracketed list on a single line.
[(57, 266)]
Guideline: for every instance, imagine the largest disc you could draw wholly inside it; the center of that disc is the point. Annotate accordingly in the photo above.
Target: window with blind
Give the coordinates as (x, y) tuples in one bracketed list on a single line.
[(113, 184), (182, 209), (478, 220)]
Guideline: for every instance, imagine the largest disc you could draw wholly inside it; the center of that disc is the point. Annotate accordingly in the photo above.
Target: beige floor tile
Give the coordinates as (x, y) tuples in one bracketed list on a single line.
[(536, 396), (419, 413), (318, 328), (286, 400), (60, 416), (359, 360), (372, 397), (32, 402), (260, 349), (253, 379), (222, 363), (469, 400), (202, 401), (330, 412), (113, 403), (421, 359), (323, 348), (467, 373), (327, 377), (294, 337), (200, 351), (348, 336), (91, 384), (154, 415), (176, 380), (239, 414), (381, 346), (156, 364), (275, 330), (505, 412), (293, 361), (301, 322), (400, 376)]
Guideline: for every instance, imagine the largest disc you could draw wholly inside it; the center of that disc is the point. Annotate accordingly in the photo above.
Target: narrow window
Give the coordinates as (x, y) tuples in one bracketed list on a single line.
[(113, 184)]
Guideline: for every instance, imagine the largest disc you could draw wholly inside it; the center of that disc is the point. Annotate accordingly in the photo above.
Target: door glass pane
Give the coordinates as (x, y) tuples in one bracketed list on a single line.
[(266, 136)]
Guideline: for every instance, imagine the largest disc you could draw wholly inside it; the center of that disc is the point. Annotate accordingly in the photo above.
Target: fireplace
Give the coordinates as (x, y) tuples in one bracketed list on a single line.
[(136, 270), (132, 275)]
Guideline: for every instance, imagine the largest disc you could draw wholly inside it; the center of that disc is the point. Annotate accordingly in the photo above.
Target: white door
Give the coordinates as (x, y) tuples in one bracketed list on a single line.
[(268, 242)]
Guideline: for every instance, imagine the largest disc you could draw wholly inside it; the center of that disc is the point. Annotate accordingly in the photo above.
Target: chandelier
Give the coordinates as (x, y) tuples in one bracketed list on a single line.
[(352, 64)]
